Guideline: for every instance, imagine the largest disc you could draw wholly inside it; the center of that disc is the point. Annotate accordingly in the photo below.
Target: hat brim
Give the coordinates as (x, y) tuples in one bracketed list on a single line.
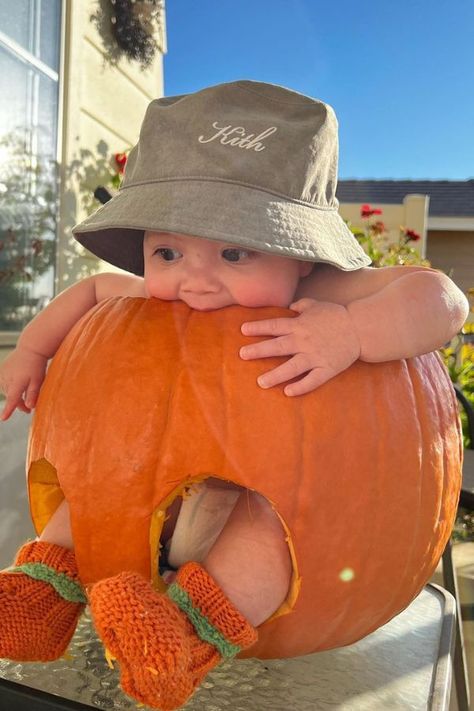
[(216, 210)]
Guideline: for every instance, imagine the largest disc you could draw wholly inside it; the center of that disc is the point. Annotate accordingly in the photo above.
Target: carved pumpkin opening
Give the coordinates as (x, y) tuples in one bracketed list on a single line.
[(45, 493), (170, 508)]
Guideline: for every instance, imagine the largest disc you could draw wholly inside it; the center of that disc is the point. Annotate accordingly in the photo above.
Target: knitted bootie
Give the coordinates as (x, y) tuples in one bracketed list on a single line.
[(41, 599), (165, 644)]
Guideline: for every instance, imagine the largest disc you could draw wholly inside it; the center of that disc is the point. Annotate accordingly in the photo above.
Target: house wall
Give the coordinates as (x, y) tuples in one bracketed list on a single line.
[(412, 214), (103, 107), (453, 253)]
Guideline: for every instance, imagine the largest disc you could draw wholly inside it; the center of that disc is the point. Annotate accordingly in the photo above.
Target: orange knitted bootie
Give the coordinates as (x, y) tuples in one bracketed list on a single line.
[(165, 644), (41, 599)]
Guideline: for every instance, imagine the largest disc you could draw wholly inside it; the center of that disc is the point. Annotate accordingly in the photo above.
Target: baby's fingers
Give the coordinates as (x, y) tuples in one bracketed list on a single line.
[(14, 400), (31, 397), (268, 327), (310, 382), (281, 346), (8, 409), (292, 368)]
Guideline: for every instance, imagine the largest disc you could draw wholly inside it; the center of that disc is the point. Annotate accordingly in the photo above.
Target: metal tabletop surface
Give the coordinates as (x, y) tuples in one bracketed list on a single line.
[(404, 665), (467, 492)]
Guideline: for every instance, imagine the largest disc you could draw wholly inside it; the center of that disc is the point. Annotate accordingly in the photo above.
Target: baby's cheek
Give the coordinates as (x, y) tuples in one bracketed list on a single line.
[(280, 292), (267, 295), (158, 288)]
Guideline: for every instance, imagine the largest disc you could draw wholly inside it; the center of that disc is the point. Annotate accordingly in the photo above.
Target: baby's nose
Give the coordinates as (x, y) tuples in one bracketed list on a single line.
[(201, 280)]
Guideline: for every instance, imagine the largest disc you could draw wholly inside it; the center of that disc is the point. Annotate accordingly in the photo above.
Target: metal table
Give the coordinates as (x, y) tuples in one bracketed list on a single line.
[(404, 665), (467, 492), (466, 500)]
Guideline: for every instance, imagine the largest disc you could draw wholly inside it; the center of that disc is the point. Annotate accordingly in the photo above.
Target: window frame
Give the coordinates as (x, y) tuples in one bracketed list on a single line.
[(8, 339)]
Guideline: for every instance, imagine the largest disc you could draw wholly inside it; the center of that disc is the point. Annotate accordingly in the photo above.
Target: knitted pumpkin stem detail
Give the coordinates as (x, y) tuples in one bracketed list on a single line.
[(215, 619), (41, 599)]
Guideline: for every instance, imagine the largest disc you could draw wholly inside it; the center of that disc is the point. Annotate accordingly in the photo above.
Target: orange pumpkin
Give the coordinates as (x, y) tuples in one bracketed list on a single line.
[(145, 397)]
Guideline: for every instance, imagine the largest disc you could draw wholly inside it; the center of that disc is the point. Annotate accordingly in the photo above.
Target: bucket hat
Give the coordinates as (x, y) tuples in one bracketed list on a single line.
[(246, 163)]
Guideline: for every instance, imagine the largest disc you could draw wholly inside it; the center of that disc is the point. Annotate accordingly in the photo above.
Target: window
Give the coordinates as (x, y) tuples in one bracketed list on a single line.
[(29, 66)]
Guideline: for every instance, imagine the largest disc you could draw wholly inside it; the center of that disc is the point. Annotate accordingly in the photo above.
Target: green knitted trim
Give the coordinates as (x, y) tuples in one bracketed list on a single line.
[(205, 629), (62, 583)]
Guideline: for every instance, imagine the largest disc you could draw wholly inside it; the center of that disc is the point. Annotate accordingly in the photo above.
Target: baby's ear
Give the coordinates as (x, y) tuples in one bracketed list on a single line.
[(306, 268)]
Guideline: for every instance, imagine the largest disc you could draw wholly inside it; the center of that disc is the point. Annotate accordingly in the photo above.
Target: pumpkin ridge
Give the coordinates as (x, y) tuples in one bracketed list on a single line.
[(450, 418), (383, 616), (398, 593), (368, 407), (373, 489), (432, 376), (427, 404), (165, 405)]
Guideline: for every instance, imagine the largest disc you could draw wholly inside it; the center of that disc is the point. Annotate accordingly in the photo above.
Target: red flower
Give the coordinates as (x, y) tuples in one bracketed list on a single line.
[(120, 160), (411, 234), (367, 211), (379, 227)]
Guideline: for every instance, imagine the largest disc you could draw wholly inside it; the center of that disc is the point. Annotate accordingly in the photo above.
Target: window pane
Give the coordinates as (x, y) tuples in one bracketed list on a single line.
[(17, 21), (47, 113), (28, 190), (15, 88), (50, 13), (35, 25), (28, 193)]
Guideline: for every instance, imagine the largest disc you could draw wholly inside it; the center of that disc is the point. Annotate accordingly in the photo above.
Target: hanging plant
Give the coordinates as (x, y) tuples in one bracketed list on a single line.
[(129, 29)]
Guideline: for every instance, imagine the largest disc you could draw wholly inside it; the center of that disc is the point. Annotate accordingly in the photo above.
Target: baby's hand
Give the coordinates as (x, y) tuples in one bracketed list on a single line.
[(21, 376), (321, 340)]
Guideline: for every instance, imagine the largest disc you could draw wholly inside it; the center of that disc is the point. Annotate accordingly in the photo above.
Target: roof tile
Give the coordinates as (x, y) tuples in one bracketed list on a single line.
[(448, 198)]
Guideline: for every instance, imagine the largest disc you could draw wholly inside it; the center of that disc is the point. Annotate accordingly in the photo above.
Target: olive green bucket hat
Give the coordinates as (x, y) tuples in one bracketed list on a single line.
[(245, 163)]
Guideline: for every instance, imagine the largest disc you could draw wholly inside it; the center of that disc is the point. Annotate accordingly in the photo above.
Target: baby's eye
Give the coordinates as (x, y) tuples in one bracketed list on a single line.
[(168, 254), (235, 254)]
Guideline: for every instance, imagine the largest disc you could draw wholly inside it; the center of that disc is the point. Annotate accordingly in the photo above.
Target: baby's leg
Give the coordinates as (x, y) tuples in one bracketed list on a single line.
[(166, 644), (58, 528), (41, 597), (250, 560)]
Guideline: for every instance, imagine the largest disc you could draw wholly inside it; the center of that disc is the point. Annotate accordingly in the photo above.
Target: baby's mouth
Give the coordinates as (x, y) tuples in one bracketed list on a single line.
[(204, 302)]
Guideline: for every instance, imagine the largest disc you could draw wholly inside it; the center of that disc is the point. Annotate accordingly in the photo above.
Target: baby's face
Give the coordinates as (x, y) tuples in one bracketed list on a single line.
[(209, 275)]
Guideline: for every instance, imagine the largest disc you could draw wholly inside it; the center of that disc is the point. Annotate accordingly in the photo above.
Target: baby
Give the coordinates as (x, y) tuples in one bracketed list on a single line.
[(228, 198)]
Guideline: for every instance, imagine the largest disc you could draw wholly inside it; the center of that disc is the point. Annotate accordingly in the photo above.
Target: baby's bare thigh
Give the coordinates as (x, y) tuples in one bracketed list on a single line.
[(173, 510)]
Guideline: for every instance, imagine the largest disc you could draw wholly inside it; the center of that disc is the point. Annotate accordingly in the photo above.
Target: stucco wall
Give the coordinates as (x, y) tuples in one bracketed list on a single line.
[(453, 252), (412, 213), (103, 107)]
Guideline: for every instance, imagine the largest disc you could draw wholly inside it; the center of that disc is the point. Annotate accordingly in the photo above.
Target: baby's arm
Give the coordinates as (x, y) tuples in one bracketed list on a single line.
[(372, 314), (396, 312), (23, 371)]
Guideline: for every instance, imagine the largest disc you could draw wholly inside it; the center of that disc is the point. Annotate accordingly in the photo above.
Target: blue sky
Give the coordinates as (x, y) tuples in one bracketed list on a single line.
[(400, 75)]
